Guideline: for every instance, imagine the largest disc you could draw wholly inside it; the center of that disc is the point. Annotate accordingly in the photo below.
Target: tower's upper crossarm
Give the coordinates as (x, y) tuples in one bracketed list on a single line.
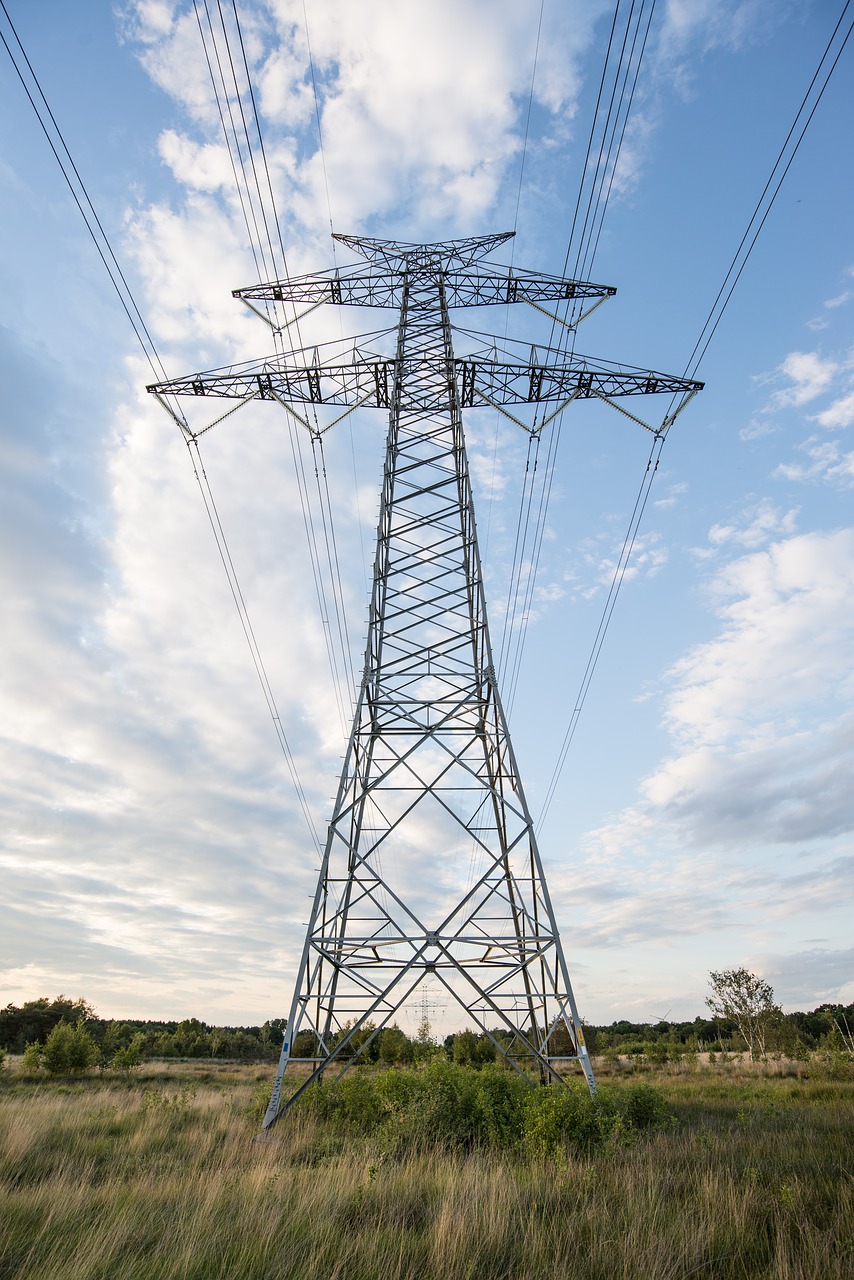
[(476, 286), (362, 287), (402, 255), (482, 286), (500, 382)]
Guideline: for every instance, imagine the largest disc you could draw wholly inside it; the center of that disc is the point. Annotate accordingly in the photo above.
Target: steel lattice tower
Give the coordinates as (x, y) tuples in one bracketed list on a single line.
[(429, 778)]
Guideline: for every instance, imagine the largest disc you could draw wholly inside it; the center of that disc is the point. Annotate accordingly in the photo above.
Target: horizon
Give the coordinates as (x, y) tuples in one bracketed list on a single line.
[(153, 847)]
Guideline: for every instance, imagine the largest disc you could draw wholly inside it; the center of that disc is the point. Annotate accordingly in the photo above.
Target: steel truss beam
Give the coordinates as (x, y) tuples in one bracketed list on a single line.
[(375, 287), (368, 381), (430, 781)]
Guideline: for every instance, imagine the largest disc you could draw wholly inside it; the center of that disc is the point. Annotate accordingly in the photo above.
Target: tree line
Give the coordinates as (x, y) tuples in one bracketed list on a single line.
[(64, 1035)]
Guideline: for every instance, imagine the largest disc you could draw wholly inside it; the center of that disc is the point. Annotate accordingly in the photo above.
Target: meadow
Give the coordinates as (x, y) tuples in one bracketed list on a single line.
[(727, 1171)]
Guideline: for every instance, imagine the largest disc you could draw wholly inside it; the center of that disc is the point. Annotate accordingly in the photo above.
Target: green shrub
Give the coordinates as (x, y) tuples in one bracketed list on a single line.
[(32, 1057), (394, 1046), (352, 1100), (131, 1056), (569, 1115), (458, 1107), (453, 1107), (69, 1050), (642, 1106), (555, 1116)]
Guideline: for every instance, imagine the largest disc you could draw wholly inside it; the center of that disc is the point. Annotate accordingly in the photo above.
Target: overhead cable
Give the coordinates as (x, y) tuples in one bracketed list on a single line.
[(99, 236), (261, 195), (782, 164), (604, 621), (77, 187), (764, 204), (605, 140), (249, 633)]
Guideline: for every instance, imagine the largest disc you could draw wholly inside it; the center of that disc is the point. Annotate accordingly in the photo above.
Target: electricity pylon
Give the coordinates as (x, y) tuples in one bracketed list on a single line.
[(430, 784)]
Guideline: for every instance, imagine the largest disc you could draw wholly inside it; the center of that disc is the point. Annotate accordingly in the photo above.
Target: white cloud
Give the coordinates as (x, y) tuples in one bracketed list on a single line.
[(788, 629), (410, 120), (144, 798), (756, 429), (755, 761), (827, 463), (205, 167), (743, 837), (758, 526), (674, 493), (169, 49), (838, 414), (593, 569), (809, 374), (693, 28), (816, 975)]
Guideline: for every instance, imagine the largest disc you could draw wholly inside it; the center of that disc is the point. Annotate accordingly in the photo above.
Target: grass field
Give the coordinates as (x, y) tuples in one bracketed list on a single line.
[(159, 1176)]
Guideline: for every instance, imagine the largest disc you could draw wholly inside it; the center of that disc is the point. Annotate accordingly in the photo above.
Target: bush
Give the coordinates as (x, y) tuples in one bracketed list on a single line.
[(458, 1108), (556, 1117), (69, 1050), (32, 1057), (131, 1056), (643, 1107), (394, 1046)]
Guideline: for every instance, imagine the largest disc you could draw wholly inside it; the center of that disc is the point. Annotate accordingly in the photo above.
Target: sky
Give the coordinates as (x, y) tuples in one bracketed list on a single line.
[(154, 857)]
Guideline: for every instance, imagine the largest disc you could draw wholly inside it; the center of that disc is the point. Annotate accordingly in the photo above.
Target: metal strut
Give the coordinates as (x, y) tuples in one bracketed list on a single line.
[(430, 779)]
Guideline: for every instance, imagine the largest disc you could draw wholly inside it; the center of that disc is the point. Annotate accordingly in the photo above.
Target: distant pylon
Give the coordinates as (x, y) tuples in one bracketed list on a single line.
[(431, 865)]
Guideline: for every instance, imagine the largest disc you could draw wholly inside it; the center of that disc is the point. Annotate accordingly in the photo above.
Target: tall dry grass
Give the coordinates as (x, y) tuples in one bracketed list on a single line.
[(160, 1177)]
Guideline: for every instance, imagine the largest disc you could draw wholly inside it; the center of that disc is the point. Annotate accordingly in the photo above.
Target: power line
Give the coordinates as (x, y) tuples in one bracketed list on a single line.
[(512, 259), (604, 168), (742, 254), (263, 195), (612, 165), (606, 160), (249, 633), (99, 236), (527, 120), (249, 149), (260, 194), (596, 209), (707, 332), (591, 135), (276, 221), (238, 187), (81, 197), (605, 619), (319, 125)]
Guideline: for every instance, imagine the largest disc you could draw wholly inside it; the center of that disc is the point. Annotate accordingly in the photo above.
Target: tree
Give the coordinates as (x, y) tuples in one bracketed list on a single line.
[(69, 1050), (35, 1019), (131, 1056), (744, 998), (32, 1057), (394, 1046), (472, 1050)]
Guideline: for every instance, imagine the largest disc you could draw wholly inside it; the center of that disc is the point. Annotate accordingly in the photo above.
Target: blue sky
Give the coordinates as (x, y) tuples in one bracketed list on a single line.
[(154, 857)]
